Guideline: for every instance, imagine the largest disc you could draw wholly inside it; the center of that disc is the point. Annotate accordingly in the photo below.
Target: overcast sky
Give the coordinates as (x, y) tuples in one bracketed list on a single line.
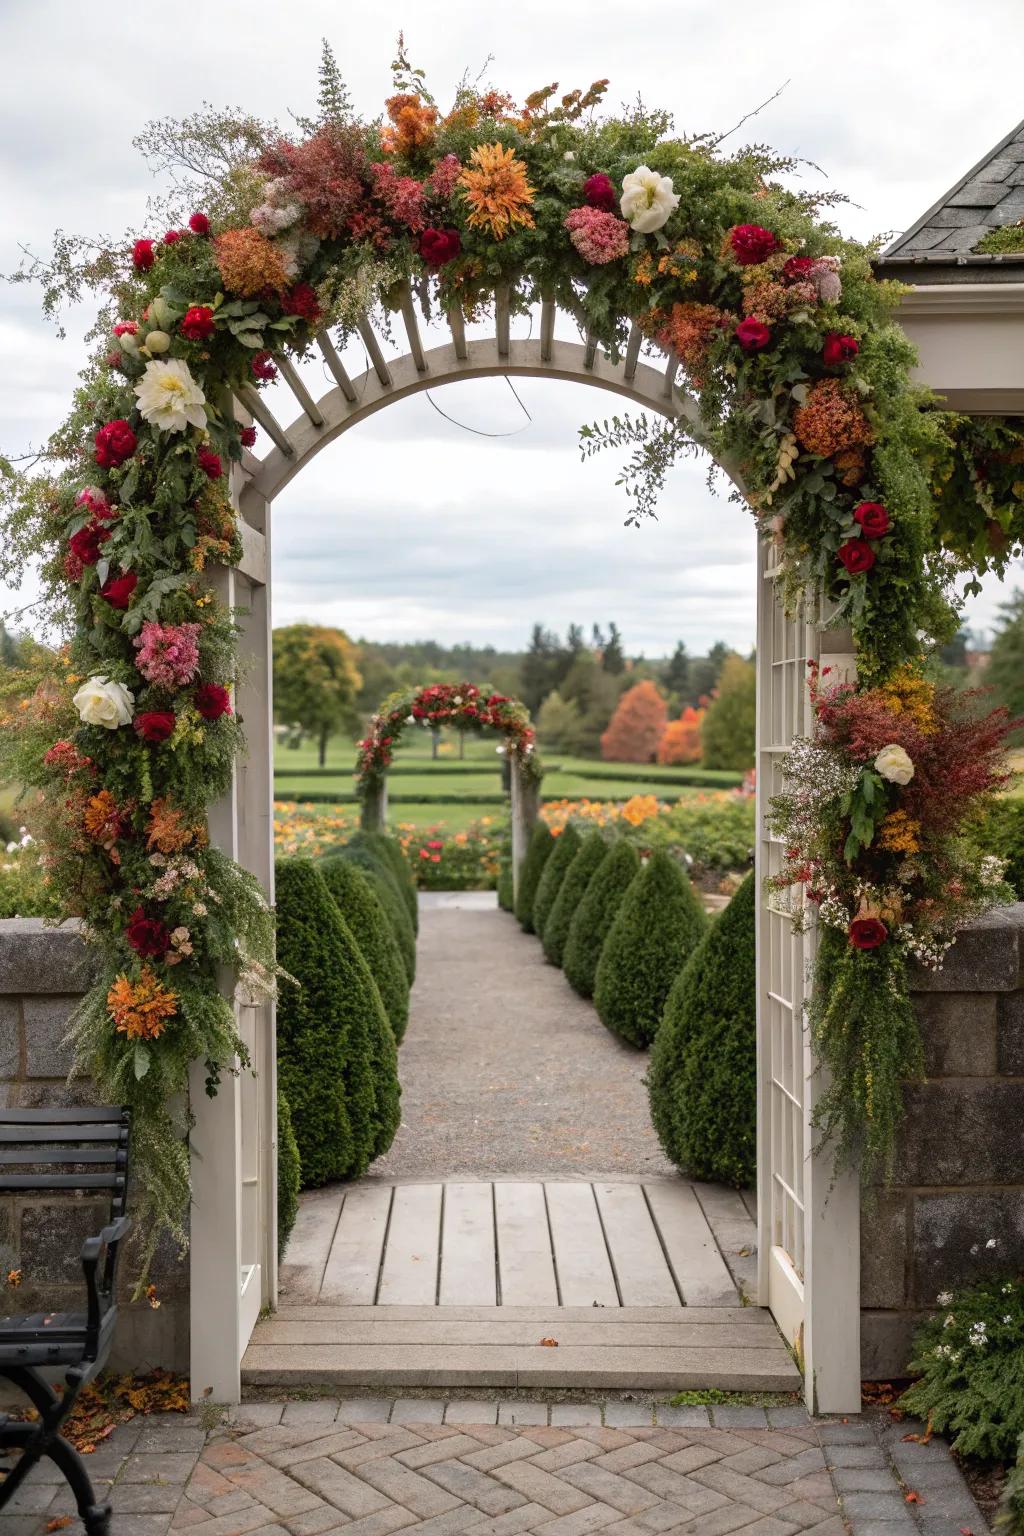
[(410, 526)]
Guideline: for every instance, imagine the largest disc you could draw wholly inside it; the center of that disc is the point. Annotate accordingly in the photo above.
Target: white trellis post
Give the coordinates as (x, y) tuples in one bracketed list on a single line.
[(525, 811)]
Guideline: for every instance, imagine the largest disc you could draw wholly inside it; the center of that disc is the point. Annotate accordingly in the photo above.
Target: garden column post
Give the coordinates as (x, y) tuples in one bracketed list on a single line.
[(374, 814), (525, 811)]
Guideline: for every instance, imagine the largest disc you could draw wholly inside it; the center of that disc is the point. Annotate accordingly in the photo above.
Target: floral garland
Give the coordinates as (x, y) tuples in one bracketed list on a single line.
[(785, 335), (458, 705), (873, 823)]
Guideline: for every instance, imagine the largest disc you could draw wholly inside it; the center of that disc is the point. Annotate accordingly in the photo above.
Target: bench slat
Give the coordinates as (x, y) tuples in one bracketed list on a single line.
[(64, 1115), (64, 1133), (11, 1156), (62, 1181)]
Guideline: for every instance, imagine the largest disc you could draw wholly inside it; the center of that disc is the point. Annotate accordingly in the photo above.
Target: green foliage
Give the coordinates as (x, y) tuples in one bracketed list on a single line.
[(970, 1363), (702, 1082), (315, 680), (727, 734), (1008, 239), (289, 1174), (1010, 1518), (596, 913), (336, 1052), (385, 887), (1002, 833), (361, 908), (506, 900), (388, 851), (567, 846), (572, 891), (716, 832), (542, 845), (559, 724), (1005, 674), (24, 891), (659, 923)]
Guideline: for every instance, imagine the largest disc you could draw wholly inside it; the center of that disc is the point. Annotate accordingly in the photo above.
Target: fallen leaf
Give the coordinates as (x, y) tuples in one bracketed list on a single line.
[(59, 1522), (549, 1343), (912, 1497)]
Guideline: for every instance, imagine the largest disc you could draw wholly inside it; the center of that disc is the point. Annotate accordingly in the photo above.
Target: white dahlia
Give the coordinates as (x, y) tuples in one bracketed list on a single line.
[(169, 396)]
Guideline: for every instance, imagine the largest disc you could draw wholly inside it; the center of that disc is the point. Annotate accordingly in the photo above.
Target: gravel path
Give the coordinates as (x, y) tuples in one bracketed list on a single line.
[(504, 1069)]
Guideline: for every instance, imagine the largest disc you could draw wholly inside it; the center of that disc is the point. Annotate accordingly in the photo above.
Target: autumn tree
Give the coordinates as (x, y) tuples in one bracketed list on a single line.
[(316, 681), (681, 741), (728, 731), (636, 727)]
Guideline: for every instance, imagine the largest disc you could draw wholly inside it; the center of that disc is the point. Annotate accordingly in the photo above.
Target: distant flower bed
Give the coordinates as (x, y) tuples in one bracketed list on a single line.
[(442, 860), (24, 888), (714, 831), (306, 830)]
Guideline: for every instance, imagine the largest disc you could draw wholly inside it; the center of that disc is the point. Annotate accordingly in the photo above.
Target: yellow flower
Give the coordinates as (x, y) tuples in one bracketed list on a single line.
[(900, 833), (141, 1008), (497, 190)]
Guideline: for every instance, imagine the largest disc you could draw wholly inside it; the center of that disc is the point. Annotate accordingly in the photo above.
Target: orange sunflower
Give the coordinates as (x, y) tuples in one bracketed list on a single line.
[(497, 191)]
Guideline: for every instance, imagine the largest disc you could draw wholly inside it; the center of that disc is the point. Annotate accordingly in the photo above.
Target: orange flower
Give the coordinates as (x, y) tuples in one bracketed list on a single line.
[(415, 125), (900, 833), (497, 190), (167, 830), (249, 263), (141, 1008), (831, 420), (102, 819)]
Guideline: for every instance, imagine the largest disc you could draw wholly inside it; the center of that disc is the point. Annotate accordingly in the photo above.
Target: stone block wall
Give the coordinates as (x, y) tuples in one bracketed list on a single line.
[(960, 1172), (43, 973)]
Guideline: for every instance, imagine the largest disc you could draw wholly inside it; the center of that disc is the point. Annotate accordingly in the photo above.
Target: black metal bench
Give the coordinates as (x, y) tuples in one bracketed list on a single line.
[(65, 1149)]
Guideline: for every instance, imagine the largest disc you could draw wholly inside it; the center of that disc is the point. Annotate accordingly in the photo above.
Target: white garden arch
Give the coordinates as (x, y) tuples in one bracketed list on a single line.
[(809, 1226)]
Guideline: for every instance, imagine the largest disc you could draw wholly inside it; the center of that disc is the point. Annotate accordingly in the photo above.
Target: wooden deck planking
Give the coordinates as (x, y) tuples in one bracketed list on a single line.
[(644, 1278), (302, 1271), (353, 1266), (380, 1328), (409, 1271), (582, 1265), (699, 1269), (525, 1262), (468, 1271)]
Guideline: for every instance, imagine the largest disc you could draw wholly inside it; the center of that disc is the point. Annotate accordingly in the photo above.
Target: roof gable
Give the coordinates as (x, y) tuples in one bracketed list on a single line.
[(989, 196)]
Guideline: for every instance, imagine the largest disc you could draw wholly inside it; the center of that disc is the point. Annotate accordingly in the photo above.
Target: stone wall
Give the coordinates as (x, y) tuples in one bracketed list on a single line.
[(43, 973), (960, 1172)]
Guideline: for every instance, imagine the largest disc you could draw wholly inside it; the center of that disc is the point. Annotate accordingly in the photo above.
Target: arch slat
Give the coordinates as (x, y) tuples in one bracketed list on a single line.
[(670, 376), (337, 367), (457, 326), (589, 350), (267, 420), (632, 351), (299, 390), (502, 319), (547, 329), (412, 328), (374, 352)]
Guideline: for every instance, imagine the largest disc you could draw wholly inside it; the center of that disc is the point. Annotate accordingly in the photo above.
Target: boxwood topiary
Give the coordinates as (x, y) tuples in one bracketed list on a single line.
[(289, 1174), (567, 846), (506, 900), (336, 1052), (595, 914), (386, 888), (361, 908), (542, 845), (659, 924), (391, 856), (702, 1082), (571, 893)]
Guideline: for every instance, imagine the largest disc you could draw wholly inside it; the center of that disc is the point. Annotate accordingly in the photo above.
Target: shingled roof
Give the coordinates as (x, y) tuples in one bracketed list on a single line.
[(990, 195)]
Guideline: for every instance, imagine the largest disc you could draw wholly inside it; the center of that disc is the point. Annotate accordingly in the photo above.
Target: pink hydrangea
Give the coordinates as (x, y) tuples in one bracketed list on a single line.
[(168, 653), (598, 236)]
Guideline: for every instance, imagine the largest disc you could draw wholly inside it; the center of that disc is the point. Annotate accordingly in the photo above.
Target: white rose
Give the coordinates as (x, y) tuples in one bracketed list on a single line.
[(894, 764), (103, 702), (648, 200)]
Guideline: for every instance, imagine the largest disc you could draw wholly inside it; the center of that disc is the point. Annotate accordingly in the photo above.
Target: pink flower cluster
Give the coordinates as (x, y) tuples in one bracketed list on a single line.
[(168, 653), (443, 178), (402, 196), (598, 236)]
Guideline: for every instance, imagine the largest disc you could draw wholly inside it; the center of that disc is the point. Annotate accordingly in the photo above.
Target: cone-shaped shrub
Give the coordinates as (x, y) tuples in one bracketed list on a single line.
[(702, 1081), (506, 900), (595, 914), (567, 846), (360, 906), (659, 924), (289, 1174), (572, 891), (394, 860), (390, 897), (542, 846), (335, 1050)]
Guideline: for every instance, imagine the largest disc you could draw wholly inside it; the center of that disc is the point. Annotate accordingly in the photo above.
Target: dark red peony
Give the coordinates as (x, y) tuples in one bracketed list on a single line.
[(115, 442), (247, 437), (438, 246), (302, 301), (146, 935), (172, 237), (209, 463), (117, 590), (199, 224), (839, 348), (85, 544), (599, 192), (143, 255), (867, 932), (798, 268), (873, 519), (751, 244), (753, 335), (857, 555), (263, 367), (155, 724), (197, 323), (212, 700)]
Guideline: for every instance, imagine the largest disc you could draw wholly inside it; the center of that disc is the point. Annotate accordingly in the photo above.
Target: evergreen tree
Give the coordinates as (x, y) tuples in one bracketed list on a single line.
[(598, 639), (614, 660), (390, 897), (702, 1081), (559, 724), (571, 892), (574, 642), (729, 727), (596, 913), (388, 851), (289, 1175), (333, 100), (542, 845), (677, 674), (361, 908), (1005, 674), (659, 924), (541, 668), (567, 846), (595, 692)]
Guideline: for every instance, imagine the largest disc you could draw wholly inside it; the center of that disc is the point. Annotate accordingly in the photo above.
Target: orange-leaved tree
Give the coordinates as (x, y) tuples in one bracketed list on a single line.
[(636, 727), (680, 742)]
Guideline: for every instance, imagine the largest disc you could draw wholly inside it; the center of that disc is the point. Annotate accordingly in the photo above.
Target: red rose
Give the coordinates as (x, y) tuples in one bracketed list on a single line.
[(839, 349), (212, 700), (115, 442), (438, 246), (263, 368), (302, 301), (146, 935), (599, 192), (117, 590), (155, 724), (126, 328), (753, 335), (209, 463), (247, 436), (867, 932), (85, 544), (143, 255), (197, 323), (752, 244), (172, 237), (856, 555), (873, 519), (199, 224), (797, 268)]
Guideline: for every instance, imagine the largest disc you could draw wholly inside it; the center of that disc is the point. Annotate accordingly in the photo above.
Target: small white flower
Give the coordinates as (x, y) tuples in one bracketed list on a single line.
[(102, 702), (894, 764), (1007, 1288), (950, 1321), (648, 200), (1007, 1319), (569, 155), (170, 398), (457, 699), (410, 719), (944, 1298), (992, 1243), (974, 1248)]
